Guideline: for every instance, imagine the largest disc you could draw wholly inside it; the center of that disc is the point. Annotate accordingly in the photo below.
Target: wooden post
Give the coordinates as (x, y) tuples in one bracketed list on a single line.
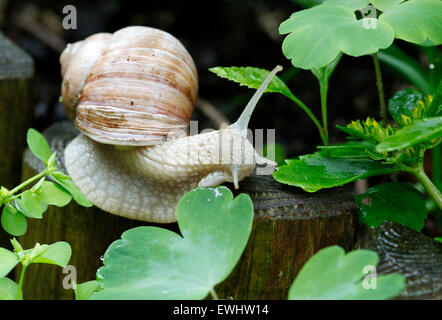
[(16, 105), (289, 227)]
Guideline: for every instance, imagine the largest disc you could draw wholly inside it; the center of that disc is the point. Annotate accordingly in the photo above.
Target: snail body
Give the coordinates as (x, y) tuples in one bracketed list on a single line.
[(134, 158)]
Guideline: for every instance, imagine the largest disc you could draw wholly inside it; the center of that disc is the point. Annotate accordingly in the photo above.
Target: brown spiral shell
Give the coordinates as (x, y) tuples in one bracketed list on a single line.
[(133, 87)]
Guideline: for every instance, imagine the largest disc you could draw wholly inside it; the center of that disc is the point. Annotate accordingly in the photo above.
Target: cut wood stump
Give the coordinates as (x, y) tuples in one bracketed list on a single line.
[(16, 107), (289, 227)]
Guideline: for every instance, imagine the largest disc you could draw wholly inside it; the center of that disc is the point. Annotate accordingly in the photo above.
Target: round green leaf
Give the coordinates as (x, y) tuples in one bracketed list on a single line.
[(397, 202), (415, 21), (155, 263), (420, 131), (314, 171), (53, 194), (13, 221), (317, 35), (8, 289), (38, 145), (332, 274), (8, 261)]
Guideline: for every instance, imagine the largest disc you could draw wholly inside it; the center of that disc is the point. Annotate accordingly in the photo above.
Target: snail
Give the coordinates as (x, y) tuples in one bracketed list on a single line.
[(132, 94)]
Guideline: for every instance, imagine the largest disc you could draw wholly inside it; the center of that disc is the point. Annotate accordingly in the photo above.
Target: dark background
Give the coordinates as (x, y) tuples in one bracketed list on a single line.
[(216, 33)]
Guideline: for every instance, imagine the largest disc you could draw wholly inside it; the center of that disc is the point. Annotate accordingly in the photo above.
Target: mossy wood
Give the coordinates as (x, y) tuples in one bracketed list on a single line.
[(289, 227), (16, 105)]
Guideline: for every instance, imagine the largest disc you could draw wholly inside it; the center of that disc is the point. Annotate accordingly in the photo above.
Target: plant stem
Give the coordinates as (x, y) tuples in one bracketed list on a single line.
[(20, 284), (311, 115), (29, 181), (432, 190), (214, 295), (323, 87), (380, 85)]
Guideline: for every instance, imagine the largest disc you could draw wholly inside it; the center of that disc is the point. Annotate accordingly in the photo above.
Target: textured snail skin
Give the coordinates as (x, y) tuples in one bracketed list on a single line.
[(146, 183)]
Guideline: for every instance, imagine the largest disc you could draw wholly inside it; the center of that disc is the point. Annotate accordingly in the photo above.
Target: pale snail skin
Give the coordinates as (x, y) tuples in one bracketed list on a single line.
[(146, 182)]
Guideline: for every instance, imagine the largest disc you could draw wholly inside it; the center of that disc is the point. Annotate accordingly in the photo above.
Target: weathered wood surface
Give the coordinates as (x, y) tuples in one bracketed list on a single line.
[(289, 227), (411, 253), (16, 105)]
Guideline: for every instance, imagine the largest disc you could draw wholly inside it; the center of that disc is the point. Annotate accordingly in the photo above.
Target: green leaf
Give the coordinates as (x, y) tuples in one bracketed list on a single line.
[(438, 239), (397, 202), (319, 34), (252, 77), (415, 21), (13, 221), (315, 171), (385, 5), (8, 261), (348, 150), (53, 194), (420, 131), (69, 185), (155, 263), (8, 289), (84, 291), (403, 103), (333, 275), (38, 145), (30, 205), (58, 253)]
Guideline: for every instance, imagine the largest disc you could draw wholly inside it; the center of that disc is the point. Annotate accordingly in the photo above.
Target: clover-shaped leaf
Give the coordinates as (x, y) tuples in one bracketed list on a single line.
[(398, 202), (317, 35), (415, 21), (332, 274), (155, 263)]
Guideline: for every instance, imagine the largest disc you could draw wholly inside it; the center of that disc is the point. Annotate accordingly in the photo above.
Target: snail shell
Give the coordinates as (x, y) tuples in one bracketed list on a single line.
[(134, 87)]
